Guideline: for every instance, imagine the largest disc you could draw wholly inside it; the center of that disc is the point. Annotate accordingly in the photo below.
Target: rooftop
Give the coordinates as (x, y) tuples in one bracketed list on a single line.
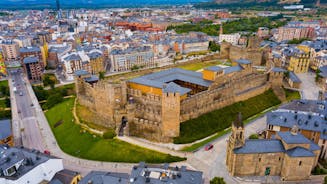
[(299, 152), (30, 49), (294, 77), (5, 129), (304, 121), (313, 106), (64, 176), (142, 174), (100, 177), (162, 78), (290, 138), (260, 146), (30, 59), (243, 61), (24, 160)]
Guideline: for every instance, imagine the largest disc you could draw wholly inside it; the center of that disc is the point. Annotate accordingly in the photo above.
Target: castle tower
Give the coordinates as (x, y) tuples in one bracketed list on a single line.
[(170, 114), (236, 140)]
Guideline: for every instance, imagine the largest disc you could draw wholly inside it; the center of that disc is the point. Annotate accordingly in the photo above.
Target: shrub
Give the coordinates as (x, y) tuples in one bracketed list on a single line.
[(110, 134), (318, 171), (217, 180), (325, 180), (52, 101), (254, 136)]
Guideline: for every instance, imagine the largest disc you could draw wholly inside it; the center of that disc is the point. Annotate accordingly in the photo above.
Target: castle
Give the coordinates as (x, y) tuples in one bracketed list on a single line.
[(289, 154), (152, 106)]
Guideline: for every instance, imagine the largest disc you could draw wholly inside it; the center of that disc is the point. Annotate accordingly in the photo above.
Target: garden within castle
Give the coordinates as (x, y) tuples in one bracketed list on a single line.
[(152, 106)]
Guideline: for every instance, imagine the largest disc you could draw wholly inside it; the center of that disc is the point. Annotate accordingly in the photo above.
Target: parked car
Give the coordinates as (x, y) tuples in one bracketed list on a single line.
[(21, 94), (208, 147), (46, 152)]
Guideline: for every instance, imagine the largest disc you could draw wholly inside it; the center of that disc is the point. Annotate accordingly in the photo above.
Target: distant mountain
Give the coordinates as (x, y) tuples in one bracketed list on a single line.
[(39, 4), (312, 2)]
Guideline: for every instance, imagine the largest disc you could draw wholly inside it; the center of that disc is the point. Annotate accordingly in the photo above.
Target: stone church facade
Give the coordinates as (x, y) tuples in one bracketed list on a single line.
[(153, 105), (289, 155)]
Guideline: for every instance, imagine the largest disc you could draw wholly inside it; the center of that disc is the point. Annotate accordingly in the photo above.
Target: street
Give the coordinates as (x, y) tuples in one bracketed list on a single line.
[(30, 134)]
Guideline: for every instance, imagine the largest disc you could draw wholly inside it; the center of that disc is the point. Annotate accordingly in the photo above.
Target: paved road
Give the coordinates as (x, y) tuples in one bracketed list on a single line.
[(30, 135), (214, 159)]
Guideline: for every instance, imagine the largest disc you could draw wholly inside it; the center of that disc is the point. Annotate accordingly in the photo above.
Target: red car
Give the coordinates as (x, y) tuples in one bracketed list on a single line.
[(46, 152), (208, 147)]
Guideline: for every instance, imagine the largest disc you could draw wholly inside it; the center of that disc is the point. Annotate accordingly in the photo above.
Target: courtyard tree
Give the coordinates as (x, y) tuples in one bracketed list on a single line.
[(217, 180)]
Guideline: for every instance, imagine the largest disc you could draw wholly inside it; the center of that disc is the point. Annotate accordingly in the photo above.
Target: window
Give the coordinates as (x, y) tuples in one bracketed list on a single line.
[(279, 158), (259, 159), (300, 163)]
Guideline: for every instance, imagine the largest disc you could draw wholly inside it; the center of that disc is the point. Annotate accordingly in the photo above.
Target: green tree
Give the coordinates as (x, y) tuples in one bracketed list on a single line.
[(7, 102), (47, 81), (325, 180), (4, 90), (217, 180), (101, 75), (254, 136), (213, 46), (52, 101), (135, 67), (317, 75), (40, 93)]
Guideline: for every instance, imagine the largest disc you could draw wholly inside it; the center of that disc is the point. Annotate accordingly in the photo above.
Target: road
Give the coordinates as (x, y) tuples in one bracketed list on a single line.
[(214, 159), (28, 124)]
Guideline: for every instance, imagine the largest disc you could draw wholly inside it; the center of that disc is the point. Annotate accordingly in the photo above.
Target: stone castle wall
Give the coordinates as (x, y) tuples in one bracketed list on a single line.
[(234, 91), (158, 117), (255, 54)]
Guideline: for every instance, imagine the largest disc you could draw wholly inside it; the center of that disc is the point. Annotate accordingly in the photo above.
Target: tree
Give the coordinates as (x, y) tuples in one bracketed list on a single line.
[(317, 75), (101, 75), (217, 180), (325, 180), (52, 101), (213, 46), (135, 67), (47, 81), (254, 136)]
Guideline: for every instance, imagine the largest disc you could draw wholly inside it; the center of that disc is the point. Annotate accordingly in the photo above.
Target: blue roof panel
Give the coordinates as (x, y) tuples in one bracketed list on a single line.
[(5, 129), (299, 152), (289, 138), (260, 146)]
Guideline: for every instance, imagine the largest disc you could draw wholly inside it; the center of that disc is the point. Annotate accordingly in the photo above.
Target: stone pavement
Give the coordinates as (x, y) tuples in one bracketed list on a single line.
[(308, 87)]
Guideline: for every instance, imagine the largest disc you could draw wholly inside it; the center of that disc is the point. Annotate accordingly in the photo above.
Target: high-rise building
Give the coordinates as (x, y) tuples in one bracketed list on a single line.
[(10, 50)]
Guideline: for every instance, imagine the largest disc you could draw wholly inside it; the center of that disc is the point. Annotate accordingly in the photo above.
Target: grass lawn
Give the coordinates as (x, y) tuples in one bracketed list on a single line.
[(221, 119), (74, 141), (196, 146), (198, 66), (5, 114), (4, 89), (3, 104), (292, 95)]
